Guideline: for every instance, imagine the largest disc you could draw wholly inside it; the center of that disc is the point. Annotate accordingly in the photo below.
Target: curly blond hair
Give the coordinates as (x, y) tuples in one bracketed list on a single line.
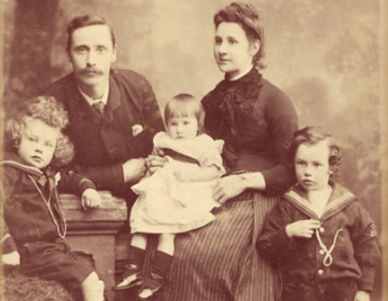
[(48, 110)]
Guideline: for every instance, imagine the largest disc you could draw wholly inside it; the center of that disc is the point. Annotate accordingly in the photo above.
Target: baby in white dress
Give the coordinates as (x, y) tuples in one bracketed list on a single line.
[(176, 198)]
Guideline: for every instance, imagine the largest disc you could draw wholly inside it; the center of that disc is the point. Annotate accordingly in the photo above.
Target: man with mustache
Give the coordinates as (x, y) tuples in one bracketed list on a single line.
[(113, 113)]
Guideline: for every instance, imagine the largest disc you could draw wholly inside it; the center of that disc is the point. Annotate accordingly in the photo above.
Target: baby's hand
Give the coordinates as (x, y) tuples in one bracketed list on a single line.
[(90, 199), (362, 296), (303, 228), (12, 258)]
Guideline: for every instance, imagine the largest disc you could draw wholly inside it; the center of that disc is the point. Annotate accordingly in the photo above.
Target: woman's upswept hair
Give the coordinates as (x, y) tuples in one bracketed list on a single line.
[(311, 135), (184, 105), (249, 19), (49, 111)]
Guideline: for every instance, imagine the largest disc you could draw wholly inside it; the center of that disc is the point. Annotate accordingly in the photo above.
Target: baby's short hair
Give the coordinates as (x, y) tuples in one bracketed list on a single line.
[(311, 135), (49, 111), (183, 105)]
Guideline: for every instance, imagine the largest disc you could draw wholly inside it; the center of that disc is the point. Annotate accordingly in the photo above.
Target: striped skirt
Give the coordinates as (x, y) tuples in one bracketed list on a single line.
[(219, 262)]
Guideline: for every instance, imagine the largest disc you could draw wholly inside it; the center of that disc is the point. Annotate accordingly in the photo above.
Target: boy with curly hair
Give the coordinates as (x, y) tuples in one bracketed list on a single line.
[(34, 226), (319, 236)]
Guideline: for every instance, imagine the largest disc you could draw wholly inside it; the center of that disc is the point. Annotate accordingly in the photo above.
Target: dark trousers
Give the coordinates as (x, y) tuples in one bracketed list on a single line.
[(314, 290), (54, 261)]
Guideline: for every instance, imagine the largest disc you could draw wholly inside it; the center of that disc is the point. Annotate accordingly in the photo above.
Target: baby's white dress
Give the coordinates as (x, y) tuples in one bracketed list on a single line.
[(166, 205)]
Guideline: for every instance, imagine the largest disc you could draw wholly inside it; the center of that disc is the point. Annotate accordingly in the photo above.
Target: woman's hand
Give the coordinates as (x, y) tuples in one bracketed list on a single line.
[(303, 228), (362, 296), (228, 187), (90, 199), (12, 258)]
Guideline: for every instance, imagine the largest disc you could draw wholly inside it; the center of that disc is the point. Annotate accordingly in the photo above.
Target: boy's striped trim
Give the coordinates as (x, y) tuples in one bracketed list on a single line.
[(301, 203), (337, 204), (25, 168), (331, 208)]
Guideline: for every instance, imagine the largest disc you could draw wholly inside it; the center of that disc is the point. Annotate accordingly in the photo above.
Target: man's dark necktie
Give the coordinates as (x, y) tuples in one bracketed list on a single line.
[(99, 106)]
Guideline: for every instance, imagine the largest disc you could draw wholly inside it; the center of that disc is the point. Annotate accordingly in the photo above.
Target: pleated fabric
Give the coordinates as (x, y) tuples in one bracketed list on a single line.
[(220, 262)]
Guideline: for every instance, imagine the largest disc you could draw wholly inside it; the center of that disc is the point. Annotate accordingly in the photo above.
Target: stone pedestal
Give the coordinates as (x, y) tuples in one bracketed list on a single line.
[(94, 231)]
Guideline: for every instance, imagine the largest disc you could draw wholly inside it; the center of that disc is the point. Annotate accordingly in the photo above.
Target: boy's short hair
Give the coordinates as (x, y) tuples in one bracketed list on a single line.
[(311, 135), (183, 105), (49, 111)]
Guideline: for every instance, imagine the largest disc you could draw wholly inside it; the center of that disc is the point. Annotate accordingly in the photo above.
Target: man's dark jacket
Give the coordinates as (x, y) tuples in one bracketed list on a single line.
[(103, 144)]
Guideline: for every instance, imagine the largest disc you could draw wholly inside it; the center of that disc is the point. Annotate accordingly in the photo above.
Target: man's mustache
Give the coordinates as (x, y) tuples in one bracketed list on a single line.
[(91, 70)]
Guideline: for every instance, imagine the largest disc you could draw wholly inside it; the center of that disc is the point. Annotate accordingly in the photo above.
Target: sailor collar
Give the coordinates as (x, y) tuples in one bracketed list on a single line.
[(339, 199)]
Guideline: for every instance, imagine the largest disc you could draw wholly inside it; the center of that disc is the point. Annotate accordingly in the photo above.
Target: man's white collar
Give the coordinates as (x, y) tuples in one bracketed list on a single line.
[(104, 97)]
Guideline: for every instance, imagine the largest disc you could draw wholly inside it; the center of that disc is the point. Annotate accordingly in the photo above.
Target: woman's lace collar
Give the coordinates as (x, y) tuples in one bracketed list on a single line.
[(230, 98)]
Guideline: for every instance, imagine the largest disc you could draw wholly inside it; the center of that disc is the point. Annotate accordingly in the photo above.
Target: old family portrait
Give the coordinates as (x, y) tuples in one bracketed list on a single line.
[(201, 150)]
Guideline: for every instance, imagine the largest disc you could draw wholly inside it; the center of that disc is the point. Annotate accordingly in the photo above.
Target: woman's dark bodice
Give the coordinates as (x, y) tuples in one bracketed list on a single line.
[(255, 119)]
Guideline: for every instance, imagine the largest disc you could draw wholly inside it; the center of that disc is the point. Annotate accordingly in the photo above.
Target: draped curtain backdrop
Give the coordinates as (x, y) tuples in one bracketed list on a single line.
[(323, 54)]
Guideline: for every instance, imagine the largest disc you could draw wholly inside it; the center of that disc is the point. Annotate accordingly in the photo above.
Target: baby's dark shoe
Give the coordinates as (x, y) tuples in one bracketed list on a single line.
[(151, 287), (132, 277)]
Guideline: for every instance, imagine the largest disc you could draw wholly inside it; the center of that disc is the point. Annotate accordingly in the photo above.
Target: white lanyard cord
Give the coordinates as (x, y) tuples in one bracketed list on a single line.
[(47, 202), (328, 259)]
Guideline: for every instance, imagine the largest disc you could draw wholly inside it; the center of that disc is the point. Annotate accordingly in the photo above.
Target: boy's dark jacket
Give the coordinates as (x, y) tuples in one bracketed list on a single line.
[(355, 252), (29, 213)]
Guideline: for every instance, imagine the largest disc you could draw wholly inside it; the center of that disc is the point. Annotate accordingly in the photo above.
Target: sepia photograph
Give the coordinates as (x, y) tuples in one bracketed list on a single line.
[(205, 150)]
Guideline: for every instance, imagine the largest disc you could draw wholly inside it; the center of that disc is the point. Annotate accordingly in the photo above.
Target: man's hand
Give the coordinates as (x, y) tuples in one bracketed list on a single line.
[(362, 296), (303, 228), (134, 170), (156, 160), (12, 258), (90, 199)]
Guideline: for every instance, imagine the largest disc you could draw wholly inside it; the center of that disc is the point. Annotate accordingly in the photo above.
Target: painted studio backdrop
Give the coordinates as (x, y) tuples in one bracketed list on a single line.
[(323, 54)]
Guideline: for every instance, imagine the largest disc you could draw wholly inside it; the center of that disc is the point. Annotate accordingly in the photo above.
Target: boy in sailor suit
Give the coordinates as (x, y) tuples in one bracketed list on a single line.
[(34, 225), (319, 236)]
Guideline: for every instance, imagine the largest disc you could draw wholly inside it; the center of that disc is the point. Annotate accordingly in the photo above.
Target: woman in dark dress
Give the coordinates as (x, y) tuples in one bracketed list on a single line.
[(219, 262)]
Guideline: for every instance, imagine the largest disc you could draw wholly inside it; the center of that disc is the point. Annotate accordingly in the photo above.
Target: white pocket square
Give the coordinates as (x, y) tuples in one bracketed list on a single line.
[(137, 129)]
